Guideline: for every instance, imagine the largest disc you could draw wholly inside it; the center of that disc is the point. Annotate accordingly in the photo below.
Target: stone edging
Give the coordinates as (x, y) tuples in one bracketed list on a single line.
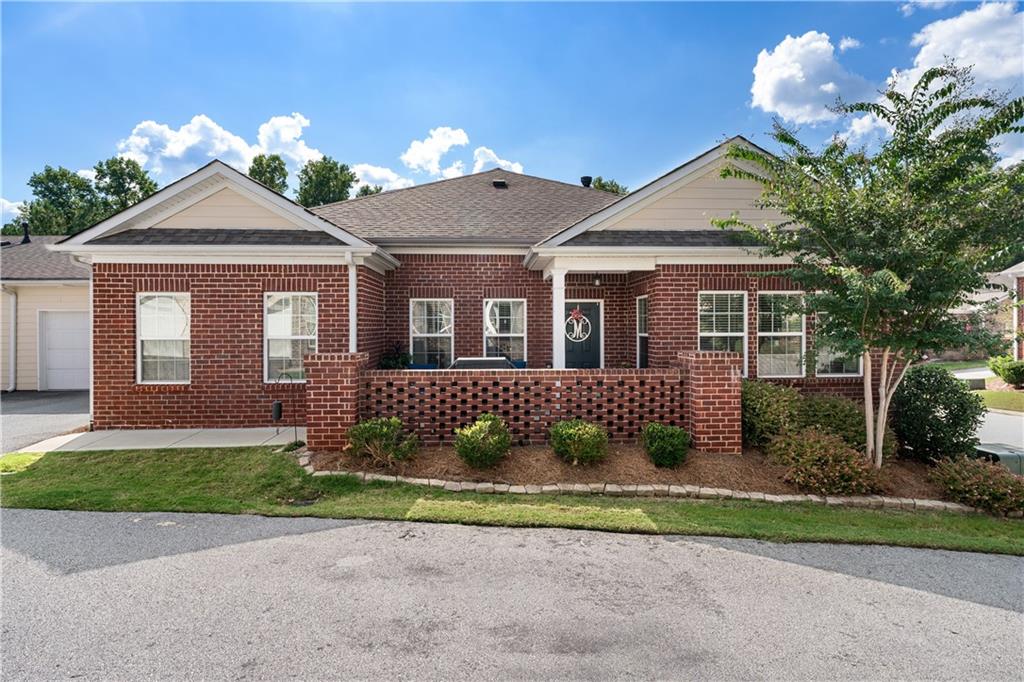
[(655, 490)]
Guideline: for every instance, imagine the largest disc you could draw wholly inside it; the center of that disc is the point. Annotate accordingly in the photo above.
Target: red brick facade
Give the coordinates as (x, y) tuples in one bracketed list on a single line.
[(1018, 330)]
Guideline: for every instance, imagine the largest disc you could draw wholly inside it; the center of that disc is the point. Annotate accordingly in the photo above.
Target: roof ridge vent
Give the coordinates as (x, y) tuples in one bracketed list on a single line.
[(500, 184)]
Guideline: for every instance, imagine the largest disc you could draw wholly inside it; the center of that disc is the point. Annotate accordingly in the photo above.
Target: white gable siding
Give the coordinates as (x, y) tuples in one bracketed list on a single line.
[(226, 209), (694, 203)]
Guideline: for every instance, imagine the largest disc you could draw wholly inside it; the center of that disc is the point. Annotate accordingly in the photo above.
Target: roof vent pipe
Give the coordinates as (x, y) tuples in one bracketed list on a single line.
[(586, 180), (24, 230)]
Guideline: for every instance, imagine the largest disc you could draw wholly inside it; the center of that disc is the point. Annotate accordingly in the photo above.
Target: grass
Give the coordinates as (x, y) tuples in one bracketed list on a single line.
[(1003, 400), (17, 461), (261, 481), (954, 365)]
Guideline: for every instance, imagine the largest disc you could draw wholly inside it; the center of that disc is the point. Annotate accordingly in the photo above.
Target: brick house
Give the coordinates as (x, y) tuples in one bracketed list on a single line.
[(216, 296)]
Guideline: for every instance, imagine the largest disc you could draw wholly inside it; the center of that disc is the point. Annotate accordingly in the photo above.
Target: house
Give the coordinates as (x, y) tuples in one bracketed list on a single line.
[(993, 307), (45, 313), (215, 296), (1015, 276)]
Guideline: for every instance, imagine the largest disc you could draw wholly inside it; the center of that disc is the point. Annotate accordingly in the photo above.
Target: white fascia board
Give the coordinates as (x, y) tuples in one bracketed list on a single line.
[(615, 259), (461, 249)]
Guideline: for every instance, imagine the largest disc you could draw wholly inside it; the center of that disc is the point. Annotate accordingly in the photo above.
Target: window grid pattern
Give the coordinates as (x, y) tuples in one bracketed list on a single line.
[(505, 329), (164, 338), (290, 332), (432, 332), (780, 335), (722, 321)]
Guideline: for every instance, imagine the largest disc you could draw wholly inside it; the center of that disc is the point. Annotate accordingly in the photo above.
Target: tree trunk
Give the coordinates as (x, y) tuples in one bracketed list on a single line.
[(869, 408)]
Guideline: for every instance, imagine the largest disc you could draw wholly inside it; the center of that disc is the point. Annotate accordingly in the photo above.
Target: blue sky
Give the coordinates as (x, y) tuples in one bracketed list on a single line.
[(621, 90)]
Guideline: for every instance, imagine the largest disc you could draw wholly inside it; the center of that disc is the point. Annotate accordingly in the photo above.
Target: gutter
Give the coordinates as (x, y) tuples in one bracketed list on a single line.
[(12, 341)]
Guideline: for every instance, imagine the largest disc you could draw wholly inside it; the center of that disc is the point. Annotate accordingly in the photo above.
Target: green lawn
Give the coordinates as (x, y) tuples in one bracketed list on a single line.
[(1003, 400), (953, 365), (260, 481)]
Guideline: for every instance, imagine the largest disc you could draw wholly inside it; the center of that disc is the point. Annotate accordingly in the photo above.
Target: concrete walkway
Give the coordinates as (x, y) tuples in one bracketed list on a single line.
[(147, 439)]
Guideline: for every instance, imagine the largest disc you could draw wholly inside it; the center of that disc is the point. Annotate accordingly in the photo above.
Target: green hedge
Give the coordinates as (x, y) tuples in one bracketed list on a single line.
[(484, 442), (578, 441), (665, 445), (382, 440)]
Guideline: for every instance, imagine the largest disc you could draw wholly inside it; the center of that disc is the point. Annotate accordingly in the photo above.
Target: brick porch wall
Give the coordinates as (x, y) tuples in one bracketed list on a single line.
[(370, 320), (227, 388), (1019, 330)]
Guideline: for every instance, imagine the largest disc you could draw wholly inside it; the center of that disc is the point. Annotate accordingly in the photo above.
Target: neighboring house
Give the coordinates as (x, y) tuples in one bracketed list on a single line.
[(209, 293), (45, 317), (994, 304), (1015, 274)]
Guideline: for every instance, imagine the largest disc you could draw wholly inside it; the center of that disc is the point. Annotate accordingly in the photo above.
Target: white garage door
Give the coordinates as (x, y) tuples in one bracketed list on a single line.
[(64, 350)]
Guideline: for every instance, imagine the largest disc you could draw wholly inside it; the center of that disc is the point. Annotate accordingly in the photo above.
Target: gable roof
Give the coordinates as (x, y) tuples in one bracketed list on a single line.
[(468, 209), (34, 261)]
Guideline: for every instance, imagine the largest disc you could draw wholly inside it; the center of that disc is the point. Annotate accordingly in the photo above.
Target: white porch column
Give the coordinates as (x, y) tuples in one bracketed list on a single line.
[(558, 319), (353, 307)]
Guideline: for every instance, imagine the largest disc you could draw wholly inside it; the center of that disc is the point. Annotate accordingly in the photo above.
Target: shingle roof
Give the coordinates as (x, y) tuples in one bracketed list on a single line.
[(35, 261), (468, 209), (217, 236), (661, 238)]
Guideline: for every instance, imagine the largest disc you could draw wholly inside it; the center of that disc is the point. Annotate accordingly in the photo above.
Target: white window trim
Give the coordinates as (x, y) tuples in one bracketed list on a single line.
[(746, 322), (138, 337), (802, 334), (266, 337), (833, 375), (451, 302), (526, 326), (647, 334)]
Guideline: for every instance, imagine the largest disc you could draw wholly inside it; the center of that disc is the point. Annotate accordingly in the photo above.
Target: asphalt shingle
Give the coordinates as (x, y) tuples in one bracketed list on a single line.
[(670, 238), (34, 261), (216, 237)]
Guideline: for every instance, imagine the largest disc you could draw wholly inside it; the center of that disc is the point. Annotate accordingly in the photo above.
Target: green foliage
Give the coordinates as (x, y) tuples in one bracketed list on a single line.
[(324, 181), (294, 445), (1009, 370), (935, 415), (396, 358), (382, 440), (840, 416), (665, 445), (270, 169), (823, 463), (768, 411), (980, 484), (121, 182), (578, 441), (609, 185), (484, 442), (369, 190)]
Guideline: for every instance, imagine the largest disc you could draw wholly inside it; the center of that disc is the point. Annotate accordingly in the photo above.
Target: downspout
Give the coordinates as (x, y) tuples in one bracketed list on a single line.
[(12, 341), (353, 304)]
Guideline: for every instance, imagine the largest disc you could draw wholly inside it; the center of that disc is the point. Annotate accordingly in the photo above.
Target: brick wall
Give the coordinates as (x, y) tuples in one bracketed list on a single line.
[(227, 388), (370, 314), (1019, 331)]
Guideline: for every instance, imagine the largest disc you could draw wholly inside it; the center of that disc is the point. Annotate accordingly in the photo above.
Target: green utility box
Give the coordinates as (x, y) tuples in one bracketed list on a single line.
[(1007, 455)]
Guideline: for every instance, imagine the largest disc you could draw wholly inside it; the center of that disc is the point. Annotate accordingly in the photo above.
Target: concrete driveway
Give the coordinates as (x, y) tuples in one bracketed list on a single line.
[(102, 596), (31, 416)]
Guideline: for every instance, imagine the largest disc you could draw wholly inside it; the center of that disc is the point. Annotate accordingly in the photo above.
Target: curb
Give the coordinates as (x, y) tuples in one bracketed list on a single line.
[(657, 490)]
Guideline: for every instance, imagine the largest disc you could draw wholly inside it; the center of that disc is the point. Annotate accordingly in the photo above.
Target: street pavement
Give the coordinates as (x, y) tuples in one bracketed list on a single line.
[(102, 596), (31, 416)]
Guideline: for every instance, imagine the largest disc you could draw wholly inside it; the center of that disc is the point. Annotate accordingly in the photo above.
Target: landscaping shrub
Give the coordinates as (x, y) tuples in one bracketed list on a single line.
[(823, 463), (980, 484), (396, 358), (768, 411), (1009, 370), (934, 414), (578, 441), (665, 445), (382, 441), (841, 416), (484, 442)]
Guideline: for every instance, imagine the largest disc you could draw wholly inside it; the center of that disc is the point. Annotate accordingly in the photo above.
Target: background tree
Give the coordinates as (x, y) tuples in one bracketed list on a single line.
[(271, 170), (324, 181), (121, 182), (367, 190), (891, 241), (609, 185)]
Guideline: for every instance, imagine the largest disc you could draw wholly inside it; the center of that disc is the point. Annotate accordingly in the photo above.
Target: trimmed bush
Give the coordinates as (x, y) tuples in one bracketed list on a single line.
[(665, 445), (823, 463), (768, 411), (578, 441), (382, 440), (841, 416), (934, 414), (980, 484), (1009, 370), (484, 442)]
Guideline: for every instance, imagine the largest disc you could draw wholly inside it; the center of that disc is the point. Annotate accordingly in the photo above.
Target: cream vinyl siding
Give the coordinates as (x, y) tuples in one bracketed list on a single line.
[(694, 202), (32, 299), (226, 209)]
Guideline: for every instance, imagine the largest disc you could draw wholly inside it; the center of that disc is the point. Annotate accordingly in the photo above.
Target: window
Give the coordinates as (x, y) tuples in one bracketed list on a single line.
[(432, 332), (722, 322), (780, 335), (641, 332), (505, 329), (289, 329), (163, 329), (829, 363)]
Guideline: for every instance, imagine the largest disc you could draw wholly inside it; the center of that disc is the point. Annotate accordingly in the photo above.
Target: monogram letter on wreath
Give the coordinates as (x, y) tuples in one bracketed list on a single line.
[(577, 326)]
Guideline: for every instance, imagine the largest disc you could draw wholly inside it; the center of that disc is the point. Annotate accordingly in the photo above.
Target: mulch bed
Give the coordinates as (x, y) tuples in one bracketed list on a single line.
[(627, 464)]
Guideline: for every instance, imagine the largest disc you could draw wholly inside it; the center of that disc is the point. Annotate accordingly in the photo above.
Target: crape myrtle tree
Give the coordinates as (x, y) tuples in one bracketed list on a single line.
[(886, 241)]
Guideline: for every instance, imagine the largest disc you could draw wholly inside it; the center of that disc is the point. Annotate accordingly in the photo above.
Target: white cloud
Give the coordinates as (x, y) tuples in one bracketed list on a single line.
[(454, 170), (848, 43), (87, 173), (283, 135), (379, 175), (171, 153), (425, 155), (1011, 148), (483, 157), (908, 8), (9, 210), (800, 79)]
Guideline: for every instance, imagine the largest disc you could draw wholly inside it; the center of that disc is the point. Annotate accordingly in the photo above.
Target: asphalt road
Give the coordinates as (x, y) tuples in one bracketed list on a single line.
[(128, 596), (32, 416)]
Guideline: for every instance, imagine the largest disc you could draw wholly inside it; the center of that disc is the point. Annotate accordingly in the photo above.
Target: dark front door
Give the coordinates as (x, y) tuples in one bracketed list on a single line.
[(582, 334)]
